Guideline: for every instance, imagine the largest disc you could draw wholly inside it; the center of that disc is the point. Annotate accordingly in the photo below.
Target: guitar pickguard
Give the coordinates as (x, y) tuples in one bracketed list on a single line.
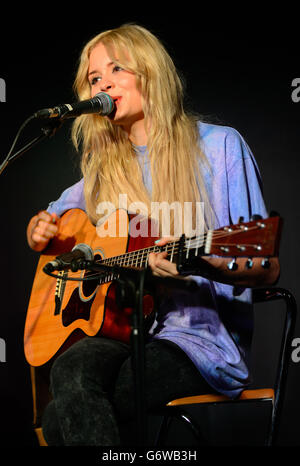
[(76, 309), (81, 301)]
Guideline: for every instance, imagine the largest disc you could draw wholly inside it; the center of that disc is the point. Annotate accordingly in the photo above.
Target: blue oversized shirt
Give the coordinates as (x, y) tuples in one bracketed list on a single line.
[(214, 324)]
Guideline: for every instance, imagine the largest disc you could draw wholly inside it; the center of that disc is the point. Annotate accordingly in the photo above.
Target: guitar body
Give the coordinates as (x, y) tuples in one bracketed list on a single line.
[(85, 308)]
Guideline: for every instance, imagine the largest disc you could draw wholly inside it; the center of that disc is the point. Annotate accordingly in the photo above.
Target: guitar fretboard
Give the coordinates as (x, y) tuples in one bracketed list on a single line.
[(139, 258)]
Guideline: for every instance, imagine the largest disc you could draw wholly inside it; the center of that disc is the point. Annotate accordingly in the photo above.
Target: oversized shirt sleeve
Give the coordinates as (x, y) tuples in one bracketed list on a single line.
[(71, 198)]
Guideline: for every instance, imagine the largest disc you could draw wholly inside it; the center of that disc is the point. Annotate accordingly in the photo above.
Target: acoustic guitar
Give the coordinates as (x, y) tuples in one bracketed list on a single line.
[(61, 311)]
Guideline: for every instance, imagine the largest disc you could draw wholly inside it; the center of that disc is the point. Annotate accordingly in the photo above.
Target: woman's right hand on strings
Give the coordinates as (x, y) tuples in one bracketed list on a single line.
[(41, 229)]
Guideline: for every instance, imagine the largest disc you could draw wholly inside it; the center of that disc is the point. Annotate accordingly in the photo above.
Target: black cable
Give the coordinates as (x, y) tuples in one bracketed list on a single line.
[(90, 277), (7, 158), (48, 129), (26, 147)]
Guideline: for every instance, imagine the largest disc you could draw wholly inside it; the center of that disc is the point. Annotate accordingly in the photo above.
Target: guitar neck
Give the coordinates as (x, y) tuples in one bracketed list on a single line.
[(258, 238), (140, 257)]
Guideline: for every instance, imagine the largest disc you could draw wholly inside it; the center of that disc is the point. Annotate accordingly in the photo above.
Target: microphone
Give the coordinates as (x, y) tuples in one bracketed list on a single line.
[(101, 103), (64, 261)]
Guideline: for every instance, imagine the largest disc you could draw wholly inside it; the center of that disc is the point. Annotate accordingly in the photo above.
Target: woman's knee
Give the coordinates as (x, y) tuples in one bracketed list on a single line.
[(67, 367), (90, 362)]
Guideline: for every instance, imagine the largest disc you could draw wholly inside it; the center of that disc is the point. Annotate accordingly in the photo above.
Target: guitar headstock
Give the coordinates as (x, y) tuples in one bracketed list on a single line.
[(258, 238)]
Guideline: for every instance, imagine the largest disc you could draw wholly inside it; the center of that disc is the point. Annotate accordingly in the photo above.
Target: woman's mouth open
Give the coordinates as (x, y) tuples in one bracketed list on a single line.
[(117, 100)]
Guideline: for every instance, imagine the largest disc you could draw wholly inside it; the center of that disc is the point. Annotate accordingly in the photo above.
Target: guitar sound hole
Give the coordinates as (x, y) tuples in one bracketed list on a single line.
[(81, 300)]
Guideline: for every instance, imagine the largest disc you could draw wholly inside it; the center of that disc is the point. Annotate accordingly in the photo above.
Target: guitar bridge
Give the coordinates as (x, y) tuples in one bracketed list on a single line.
[(59, 291)]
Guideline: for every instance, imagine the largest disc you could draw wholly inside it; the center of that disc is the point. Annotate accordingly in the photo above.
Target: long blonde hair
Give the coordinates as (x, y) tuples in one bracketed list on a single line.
[(108, 162)]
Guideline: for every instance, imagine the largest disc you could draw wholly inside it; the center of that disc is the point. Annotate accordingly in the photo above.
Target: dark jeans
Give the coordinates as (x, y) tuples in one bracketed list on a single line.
[(93, 389)]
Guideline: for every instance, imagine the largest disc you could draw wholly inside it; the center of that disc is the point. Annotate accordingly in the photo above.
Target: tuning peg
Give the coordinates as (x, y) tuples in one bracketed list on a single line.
[(232, 265), (256, 217), (265, 263), (249, 263), (241, 219)]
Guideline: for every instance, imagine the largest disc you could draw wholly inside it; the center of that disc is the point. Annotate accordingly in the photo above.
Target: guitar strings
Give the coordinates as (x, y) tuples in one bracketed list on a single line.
[(173, 247), (140, 257)]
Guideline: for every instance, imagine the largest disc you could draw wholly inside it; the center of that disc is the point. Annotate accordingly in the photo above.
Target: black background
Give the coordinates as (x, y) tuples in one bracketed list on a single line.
[(238, 70)]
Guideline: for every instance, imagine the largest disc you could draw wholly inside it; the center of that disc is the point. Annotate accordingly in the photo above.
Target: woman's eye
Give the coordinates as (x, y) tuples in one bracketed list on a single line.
[(95, 80), (117, 68)]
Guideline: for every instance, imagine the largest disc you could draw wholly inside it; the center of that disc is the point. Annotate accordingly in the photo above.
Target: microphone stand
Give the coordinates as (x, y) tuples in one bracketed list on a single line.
[(130, 290)]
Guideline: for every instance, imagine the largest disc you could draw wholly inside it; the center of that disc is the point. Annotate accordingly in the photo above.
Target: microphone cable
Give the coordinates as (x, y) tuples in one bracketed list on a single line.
[(47, 129), (8, 158)]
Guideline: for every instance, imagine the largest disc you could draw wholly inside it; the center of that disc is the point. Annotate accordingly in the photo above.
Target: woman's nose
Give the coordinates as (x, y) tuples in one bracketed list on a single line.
[(106, 84)]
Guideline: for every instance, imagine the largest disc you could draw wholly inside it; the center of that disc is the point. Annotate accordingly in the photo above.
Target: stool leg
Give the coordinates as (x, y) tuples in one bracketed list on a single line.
[(185, 419), (163, 430), (190, 422)]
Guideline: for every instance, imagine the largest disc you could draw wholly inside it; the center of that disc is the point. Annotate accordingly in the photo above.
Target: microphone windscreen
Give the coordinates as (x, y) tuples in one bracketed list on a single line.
[(106, 103)]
